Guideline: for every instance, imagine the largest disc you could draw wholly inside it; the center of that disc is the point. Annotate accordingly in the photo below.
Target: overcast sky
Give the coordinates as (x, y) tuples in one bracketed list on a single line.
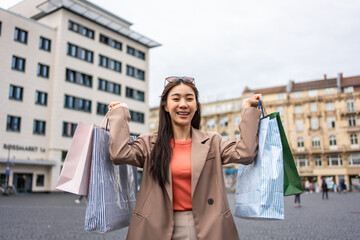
[(229, 44)]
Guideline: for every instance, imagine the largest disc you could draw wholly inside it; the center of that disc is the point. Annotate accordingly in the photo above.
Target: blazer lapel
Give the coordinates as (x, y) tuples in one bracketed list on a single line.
[(168, 185), (199, 152)]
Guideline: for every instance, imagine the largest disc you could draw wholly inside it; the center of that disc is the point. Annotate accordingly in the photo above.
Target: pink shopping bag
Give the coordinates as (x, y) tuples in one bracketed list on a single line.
[(75, 174)]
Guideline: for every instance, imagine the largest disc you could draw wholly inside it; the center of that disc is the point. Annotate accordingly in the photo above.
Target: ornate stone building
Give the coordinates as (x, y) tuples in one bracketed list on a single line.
[(321, 121)]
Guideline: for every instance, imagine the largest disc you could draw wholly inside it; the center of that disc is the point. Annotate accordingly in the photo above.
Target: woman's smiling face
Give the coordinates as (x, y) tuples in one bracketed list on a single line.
[(181, 105)]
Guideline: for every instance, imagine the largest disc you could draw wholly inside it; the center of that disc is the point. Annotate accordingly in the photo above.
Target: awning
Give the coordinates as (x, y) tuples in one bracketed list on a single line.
[(29, 162)]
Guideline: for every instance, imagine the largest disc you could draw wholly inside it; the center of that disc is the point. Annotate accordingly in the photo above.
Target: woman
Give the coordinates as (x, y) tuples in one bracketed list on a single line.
[(182, 193)]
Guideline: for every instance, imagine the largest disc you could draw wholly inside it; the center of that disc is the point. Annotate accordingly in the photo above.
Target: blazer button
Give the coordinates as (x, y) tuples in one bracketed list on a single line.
[(210, 201)]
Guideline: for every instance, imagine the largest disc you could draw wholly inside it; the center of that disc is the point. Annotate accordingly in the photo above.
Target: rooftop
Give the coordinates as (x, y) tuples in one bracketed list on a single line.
[(96, 14)]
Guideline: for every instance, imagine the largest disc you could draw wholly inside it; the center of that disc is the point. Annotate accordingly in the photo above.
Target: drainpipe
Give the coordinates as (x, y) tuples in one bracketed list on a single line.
[(338, 82)]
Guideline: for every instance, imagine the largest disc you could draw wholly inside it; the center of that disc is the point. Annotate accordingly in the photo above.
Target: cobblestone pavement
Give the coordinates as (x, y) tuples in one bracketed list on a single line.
[(57, 216)]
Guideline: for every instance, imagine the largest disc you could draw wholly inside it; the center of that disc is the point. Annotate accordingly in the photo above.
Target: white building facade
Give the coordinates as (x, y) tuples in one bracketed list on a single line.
[(63, 62)]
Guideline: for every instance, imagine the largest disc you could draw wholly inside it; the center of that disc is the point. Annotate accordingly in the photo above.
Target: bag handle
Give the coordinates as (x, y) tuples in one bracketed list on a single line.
[(260, 106)]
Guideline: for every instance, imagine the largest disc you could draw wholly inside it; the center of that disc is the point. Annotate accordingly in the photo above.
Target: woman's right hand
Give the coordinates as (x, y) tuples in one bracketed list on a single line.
[(114, 105)]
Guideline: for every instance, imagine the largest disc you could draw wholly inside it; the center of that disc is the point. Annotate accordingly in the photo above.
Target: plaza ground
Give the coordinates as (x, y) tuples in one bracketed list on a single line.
[(57, 216)]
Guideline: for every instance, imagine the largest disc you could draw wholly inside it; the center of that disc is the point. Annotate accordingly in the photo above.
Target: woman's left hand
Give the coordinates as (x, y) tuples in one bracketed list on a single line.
[(251, 102)]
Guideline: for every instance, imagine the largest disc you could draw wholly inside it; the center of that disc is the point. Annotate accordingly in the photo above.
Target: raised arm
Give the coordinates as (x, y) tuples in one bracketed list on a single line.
[(245, 148), (122, 152)]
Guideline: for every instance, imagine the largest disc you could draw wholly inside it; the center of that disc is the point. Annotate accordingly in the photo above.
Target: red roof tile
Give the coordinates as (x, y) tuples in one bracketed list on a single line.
[(350, 81), (304, 86)]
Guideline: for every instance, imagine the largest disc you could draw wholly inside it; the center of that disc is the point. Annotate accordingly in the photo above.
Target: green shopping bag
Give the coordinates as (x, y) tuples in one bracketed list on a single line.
[(292, 182)]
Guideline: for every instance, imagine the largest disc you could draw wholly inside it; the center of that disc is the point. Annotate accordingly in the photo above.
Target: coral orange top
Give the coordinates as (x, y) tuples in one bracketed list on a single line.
[(181, 175)]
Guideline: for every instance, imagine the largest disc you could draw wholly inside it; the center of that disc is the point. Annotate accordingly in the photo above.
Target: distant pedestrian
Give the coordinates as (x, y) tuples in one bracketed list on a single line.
[(78, 201), (297, 200), (324, 189), (307, 186), (342, 186)]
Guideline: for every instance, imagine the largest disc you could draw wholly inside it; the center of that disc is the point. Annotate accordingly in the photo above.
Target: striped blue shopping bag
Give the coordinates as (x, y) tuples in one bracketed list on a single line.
[(112, 189), (260, 185)]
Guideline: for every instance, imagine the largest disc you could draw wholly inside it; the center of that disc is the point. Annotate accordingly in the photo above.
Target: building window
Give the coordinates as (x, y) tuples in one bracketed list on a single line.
[(20, 35), (16, 93), (0, 27), (353, 139), (281, 96), (68, 129), (210, 123), (75, 103), (237, 120), (79, 52), (39, 127), (13, 123), (302, 161), (314, 123), (349, 89), (329, 91), (135, 52), (224, 121), (313, 93), (109, 87), (152, 125), (75, 27), (313, 107), (43, 70), (332, 140), (137, 116), (135, 94), (318, 162), (45, 44), (101, 108), (280, 110), (330, 122), (334, 160), (225, 136), (299, 125), (350, 105), (296, 95), (352, 120), (354, 159), (134, 72), (110, 42), (298, 109), (78, 78), (63, 155), (40, 180), (300, 143), (315, 142), (109, 63), (237, 135), (41, 98), (329, 106), (18, 64)]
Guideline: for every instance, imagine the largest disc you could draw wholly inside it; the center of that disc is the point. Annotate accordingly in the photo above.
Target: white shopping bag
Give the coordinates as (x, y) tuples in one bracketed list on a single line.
[(259, 186)]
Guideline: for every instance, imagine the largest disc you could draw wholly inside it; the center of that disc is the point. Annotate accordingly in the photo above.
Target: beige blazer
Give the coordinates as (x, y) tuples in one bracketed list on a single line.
[(153, 213)]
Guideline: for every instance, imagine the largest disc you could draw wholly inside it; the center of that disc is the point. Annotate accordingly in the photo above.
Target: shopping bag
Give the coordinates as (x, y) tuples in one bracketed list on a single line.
[(292, 181), (75, 174), (112, 189), (259, 186)]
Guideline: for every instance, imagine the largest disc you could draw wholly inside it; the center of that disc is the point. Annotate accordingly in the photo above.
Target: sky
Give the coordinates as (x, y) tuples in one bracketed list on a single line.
[(229, 44)]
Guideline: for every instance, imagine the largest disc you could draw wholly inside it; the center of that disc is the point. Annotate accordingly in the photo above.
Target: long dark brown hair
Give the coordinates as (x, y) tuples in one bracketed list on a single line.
[(162, 151)]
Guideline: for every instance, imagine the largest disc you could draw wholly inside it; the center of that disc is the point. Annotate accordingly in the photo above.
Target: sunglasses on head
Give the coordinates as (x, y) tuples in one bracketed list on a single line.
[(176, 79)]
